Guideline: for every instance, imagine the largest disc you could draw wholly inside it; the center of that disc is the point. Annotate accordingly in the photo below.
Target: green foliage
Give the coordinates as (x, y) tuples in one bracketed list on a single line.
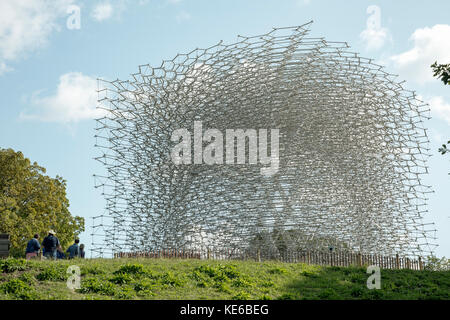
[(437, 264), (94, 285), (241, 296), (277, 270), (308, 273), (11, 265), (136, 269), (31, 202), (18, 289), (144, 287), (92, 269), (121, 278), (196, 279), (125, 294), (287, 296), (217, 276), (27, 278), (169, 279), (327, 293), (356, 292), (221, 277), (442, 72), (444, 148), (242, 282), (53, 273)]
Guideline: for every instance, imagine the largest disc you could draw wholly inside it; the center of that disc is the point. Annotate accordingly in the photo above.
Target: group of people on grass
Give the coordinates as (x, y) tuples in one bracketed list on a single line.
[(51, 248)]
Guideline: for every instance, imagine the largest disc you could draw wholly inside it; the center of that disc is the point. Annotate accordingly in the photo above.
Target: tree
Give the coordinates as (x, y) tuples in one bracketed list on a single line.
[(444, 148), (31, 202), (442, 71)]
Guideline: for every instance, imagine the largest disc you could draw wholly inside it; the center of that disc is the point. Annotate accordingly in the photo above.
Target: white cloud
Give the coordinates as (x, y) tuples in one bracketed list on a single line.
[(430, 45), (102, 11), (26, 25), (303, 2), (440, 108), (4, 68), (374, 36), (75, 100), (183, 16)]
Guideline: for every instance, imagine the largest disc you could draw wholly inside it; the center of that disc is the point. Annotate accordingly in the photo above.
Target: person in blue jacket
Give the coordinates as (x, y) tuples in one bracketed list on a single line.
[(74, 250), (33, 247)]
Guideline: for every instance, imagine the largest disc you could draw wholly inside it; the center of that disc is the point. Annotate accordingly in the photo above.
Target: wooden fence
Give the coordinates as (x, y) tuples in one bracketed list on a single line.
[(339, 259)]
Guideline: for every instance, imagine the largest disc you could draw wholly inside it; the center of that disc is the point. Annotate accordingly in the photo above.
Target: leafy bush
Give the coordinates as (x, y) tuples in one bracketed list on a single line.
[(137, 269), (18, 289), (435, 264), (94, 269), (308, 273), (242, 282), (223, 287), (27, 278), (10, 265), (287, 296), (327, 293), (53, 273), (374, 294), (241, 296), (121, 278), (125, 294), (267, 284), (220, 272), (356, 292), (94, 285), (218, 276), (170, 279), (144, 286), (277, 270), (203, 280), (358, 278)]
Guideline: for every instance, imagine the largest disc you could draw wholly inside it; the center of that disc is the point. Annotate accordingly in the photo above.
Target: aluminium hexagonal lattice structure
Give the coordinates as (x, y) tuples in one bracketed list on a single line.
[(352, 152)]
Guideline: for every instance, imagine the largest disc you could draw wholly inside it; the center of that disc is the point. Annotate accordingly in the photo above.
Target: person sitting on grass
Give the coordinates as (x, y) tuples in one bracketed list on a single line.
[(74, 250), (33, 247)]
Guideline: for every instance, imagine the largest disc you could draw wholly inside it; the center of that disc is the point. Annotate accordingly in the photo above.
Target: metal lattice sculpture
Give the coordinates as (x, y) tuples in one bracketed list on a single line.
[(352, 151)]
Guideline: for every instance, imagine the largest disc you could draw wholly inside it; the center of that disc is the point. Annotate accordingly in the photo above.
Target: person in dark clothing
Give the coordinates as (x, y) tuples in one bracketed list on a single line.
[(51, 244), (33, 247), (74, 250), (59, 253), (82, 251)]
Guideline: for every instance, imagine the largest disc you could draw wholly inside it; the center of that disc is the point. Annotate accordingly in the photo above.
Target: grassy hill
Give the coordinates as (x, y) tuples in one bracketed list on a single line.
[(207, 279)]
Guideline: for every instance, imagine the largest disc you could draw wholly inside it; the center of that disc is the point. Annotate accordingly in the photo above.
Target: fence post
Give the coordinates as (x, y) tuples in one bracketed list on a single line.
[(359, 260), (258, 254), (309, 257), (208, 254), (420, 263), (397, 262)]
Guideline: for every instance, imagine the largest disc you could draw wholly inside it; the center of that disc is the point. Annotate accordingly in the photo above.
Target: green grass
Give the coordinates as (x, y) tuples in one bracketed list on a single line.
[(207, 279)]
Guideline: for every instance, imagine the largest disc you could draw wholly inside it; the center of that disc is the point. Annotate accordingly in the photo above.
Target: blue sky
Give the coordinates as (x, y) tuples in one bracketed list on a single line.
[(49, 63)]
